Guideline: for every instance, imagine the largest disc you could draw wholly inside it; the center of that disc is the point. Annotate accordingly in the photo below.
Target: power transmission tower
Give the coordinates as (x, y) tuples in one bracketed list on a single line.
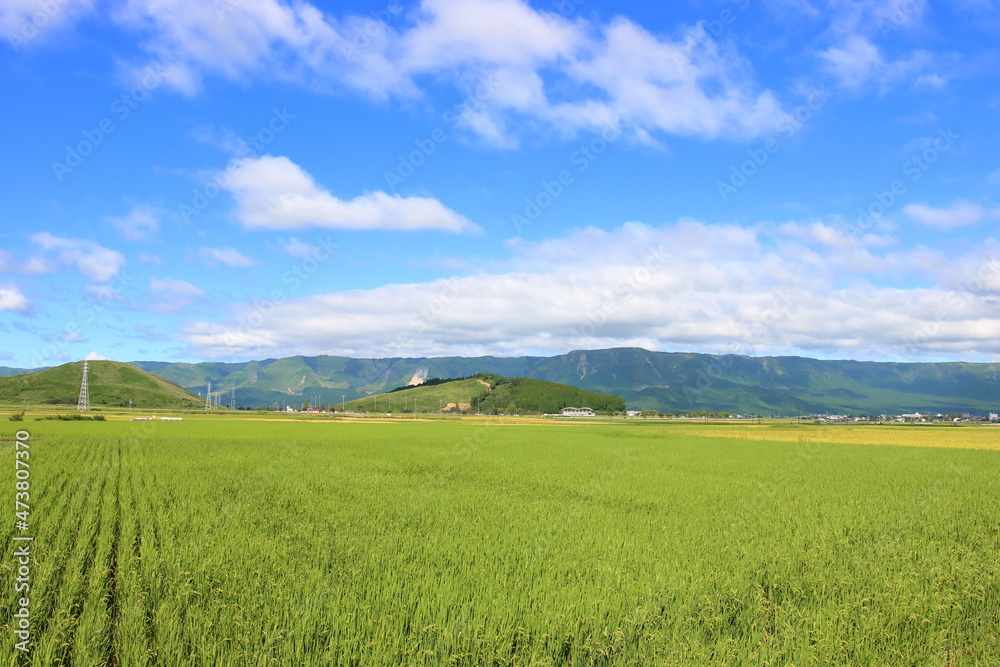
[(232, 399), (83, 403), (208, 396)]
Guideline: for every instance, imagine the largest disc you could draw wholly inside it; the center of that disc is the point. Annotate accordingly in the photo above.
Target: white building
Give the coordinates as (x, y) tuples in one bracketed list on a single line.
[(577, 412)]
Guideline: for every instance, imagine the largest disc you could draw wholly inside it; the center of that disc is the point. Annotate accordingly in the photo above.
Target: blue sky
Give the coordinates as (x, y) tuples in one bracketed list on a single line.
[(248, 179)]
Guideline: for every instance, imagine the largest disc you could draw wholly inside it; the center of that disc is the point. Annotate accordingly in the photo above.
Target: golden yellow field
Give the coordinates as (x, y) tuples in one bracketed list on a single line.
[(963, 437)]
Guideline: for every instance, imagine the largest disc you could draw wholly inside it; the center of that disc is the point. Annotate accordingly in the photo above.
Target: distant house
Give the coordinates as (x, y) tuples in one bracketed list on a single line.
[(635, 413), (577, 412)]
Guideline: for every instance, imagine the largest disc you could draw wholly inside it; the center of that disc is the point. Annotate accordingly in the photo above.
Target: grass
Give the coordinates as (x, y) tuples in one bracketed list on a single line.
[(110, 383), (429, 398), (230, 542)]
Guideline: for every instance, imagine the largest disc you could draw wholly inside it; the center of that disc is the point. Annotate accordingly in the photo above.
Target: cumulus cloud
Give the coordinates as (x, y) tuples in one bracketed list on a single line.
[(12, 299), (139, 224), (566, 75), (96, 262), (685, 286), (172, 296), (230, 257), (959, 214), (96, 356), (275, 193)]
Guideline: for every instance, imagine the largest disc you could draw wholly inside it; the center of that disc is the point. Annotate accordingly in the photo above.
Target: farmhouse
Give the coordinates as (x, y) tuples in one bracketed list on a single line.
[(577, 412)]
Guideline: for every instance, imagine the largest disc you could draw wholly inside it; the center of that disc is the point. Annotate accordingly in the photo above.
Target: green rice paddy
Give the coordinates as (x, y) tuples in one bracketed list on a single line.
[(469, 542)]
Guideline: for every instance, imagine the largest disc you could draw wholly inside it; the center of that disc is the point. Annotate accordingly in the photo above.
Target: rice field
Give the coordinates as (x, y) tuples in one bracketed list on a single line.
[(475, 543)]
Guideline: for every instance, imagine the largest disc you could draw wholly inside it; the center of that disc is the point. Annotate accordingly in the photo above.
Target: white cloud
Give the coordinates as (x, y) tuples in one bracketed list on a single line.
[(74, 337), (172, 296), (686, 286), (92, 260), (558, 74), (857, 62), (298, 249), (139, 224), (275, 193), (22, 21), (32, 266), (960, 214), (231, 257), (96, 356), (12, 299)]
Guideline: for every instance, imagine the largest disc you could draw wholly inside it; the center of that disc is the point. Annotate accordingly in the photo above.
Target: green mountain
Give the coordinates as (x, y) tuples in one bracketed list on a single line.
[(665, 381), (110, 383), (7, 371), (490, 394)]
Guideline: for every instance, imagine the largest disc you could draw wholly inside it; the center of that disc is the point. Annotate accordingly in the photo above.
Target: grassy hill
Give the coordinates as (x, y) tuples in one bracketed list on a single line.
[(110, 383), (423, 398), (490, 394)]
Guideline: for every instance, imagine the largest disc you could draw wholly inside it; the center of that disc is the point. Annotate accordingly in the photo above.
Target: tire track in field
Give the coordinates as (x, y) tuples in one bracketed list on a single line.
[(68, 494), (111, 578), (80, 598), (138, 502)]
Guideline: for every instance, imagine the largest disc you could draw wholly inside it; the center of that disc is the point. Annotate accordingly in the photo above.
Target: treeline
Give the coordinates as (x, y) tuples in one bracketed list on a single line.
[(528, 396)]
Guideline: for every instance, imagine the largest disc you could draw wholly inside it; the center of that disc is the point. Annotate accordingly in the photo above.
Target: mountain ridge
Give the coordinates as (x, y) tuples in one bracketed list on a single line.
[(665, 381)]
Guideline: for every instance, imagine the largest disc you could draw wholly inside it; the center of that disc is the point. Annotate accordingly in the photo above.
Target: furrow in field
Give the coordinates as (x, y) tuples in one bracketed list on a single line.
[(74, 591), (73, 498)]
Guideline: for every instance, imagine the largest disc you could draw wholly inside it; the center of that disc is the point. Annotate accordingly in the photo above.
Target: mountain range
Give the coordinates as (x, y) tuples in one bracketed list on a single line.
[(665, 381)]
